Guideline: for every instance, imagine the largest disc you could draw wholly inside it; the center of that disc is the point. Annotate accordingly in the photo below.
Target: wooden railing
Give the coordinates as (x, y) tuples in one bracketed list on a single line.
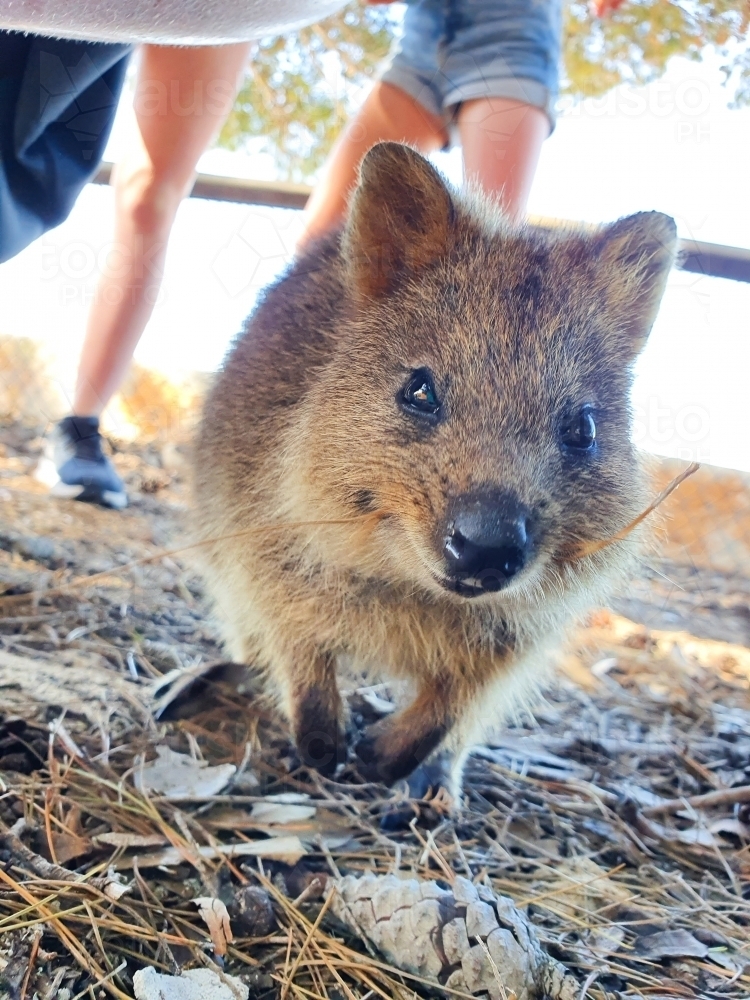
[(712, 259)]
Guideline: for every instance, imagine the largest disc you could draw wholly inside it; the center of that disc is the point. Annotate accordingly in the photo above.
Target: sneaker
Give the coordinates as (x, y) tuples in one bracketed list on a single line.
[(78, 469)]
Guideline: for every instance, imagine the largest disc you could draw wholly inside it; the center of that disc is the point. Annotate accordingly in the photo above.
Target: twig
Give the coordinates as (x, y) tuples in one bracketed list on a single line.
[(300, 955), (101, 982), (46, 870), (32, 960), (588, 548), (722, 797)]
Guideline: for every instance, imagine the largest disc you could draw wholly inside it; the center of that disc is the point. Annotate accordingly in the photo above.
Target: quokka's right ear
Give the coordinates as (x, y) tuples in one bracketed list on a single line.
[(635, 256), (400, 219)]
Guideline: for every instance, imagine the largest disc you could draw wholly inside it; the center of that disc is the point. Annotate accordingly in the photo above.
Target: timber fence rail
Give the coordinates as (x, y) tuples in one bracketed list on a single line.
[(711, 259)]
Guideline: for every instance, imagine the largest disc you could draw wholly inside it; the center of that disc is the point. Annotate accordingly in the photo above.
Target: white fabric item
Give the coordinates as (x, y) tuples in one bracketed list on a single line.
[(167, 22)]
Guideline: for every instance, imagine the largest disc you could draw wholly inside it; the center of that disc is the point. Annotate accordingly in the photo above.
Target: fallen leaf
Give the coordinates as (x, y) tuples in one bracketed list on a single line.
[(115, 890), (195, 984), (602, 667), (215, 914), (288, 807), (128, 840), (288, 849), (331, 826), (671, 944), (726, 960), (69, 845), (734, 827), (605, 941), (170, 686), (643, 797), (696, 836), (180, 776), (380, 705)]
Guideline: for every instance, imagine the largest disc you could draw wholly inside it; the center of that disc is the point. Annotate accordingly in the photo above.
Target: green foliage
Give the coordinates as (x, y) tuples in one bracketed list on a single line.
[(302, 88), (635, 43)]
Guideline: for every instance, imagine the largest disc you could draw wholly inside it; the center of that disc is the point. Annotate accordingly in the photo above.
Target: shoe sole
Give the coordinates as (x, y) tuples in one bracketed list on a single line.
[(88, 494)]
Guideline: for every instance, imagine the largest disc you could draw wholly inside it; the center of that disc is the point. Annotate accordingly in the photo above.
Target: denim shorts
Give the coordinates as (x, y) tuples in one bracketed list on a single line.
[(453, 51)]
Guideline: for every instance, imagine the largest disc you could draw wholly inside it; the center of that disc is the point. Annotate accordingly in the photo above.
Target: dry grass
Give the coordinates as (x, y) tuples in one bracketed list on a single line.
[(159, 409), (27, 393), (621, 811)]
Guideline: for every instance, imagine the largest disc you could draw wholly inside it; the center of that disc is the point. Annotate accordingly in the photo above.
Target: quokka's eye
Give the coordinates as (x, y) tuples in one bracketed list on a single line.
[(579, 432), (418, 396)]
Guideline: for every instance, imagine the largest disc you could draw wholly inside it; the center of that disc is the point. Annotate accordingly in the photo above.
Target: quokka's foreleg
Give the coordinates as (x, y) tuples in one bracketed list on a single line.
[(392, 748), (315, 710)]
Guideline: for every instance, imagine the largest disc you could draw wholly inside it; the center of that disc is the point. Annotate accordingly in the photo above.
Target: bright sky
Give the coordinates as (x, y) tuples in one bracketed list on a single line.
[(674, 146)]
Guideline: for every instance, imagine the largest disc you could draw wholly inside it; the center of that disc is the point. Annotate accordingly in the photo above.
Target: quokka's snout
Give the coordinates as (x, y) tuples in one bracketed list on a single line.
[(488, 540), (430, 411)]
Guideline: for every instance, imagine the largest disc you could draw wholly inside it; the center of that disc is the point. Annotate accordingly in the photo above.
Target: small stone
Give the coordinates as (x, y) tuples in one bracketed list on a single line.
[(252, 912)]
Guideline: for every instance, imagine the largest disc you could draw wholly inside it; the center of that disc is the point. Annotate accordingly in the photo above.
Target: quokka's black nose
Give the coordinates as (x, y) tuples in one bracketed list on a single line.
[(488, 540)]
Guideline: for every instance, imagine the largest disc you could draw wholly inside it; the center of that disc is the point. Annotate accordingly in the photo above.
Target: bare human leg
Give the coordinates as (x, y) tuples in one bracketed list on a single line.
[(183, 95), (501, 141), (388, 114)]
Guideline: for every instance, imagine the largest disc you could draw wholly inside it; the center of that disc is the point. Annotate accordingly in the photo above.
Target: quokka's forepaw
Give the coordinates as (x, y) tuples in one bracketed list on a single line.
[(393, 748), (430, 781), (322, 751), (375, 764), (369, 763)]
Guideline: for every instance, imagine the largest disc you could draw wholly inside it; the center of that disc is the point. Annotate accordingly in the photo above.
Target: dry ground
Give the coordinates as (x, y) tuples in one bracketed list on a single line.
[(618, 816)]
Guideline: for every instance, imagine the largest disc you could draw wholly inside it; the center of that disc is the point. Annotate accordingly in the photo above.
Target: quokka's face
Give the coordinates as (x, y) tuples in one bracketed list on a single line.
[(482, 401)]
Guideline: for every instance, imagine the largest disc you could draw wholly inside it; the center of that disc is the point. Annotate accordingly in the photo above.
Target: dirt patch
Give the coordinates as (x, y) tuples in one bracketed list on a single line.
[(616, 814)]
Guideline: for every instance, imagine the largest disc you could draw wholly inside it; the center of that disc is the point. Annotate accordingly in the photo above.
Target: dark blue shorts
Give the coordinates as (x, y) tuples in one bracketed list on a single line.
[(57, 103), (459, 50)]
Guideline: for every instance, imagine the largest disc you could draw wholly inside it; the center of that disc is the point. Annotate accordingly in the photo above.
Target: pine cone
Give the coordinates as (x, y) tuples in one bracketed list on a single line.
[(464, 937)]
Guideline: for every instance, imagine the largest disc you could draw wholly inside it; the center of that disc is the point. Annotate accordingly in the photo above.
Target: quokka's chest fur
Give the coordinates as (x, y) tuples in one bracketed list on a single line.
[(419, 424)]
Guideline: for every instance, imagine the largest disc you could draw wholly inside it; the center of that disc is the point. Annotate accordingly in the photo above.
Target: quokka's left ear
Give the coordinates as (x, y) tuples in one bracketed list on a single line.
[(634, 256), (400, 219)]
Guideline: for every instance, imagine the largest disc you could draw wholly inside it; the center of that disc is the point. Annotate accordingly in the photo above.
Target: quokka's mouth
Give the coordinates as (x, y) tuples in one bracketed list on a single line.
[(467, 587)]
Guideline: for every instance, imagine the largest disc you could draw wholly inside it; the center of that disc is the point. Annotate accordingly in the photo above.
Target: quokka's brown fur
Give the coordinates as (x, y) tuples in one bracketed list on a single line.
[(347, 494)]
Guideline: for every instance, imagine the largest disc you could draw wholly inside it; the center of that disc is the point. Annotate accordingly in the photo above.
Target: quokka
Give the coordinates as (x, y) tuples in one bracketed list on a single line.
[(420, 424)]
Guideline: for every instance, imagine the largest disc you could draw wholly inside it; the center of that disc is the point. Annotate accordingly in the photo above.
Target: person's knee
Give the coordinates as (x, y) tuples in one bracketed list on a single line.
[(148, 200)]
